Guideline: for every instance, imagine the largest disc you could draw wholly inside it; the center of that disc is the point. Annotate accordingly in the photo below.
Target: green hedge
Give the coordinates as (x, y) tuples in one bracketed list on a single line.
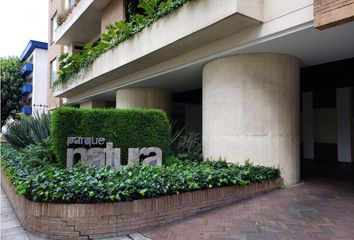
[(126, 128)]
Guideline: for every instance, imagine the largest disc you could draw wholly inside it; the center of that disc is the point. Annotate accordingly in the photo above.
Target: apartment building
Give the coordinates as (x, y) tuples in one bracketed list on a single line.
[(34, 71), (265, 80)]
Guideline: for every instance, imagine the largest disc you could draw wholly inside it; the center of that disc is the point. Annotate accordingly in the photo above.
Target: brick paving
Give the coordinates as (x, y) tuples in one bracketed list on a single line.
[(319, 209)]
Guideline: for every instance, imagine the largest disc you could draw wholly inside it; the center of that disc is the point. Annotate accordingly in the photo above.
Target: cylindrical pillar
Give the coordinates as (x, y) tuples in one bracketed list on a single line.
[(144, 98), (251, 111)]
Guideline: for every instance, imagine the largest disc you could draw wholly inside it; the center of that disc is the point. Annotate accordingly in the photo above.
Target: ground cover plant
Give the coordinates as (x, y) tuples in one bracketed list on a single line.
[(149, 11), (51, 183)]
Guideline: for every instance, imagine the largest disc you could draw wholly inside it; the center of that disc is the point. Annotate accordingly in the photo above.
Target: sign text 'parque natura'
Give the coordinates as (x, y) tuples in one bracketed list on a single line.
[(97, 152)]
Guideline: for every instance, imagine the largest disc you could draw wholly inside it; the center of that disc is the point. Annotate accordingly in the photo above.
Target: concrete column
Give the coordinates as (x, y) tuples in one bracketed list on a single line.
[(307, 126), (345, 124), (93, 104), (251, 111), (144, 98)]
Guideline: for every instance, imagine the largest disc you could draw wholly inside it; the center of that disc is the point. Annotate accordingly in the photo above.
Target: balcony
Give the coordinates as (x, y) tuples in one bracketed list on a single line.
[(83, 24), (26, 69), (190, 27), (26, 110), (26, 89)]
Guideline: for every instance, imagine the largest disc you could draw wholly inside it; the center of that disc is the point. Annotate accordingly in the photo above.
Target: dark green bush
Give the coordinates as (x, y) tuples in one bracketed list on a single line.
[(39, 154), (135, 128), (188, 147), (90, 185), (28, 130)]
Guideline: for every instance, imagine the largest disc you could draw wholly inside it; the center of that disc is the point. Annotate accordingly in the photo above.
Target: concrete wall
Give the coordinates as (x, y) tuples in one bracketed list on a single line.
[(93, 104), (279, 16), (144, 98), (40, 83), (113, 12), (251, 111)]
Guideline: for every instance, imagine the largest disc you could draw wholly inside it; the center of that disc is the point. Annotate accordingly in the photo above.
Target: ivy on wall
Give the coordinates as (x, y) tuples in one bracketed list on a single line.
[(71, 65)]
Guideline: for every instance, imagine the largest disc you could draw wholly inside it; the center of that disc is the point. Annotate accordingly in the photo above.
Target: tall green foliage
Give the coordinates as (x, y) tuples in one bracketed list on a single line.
[(28, 130), (133, 128), (11, 81)]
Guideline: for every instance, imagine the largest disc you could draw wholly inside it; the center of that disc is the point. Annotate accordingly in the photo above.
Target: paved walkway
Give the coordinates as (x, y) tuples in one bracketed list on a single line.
[(320, 209), (10, 226)]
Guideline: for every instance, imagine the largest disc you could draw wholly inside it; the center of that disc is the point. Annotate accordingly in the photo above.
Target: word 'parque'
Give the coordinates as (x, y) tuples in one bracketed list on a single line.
[(97, 152)]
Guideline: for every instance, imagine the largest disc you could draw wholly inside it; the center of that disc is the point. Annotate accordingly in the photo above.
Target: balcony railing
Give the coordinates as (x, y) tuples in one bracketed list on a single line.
[(26, 110), (26, 89), (26, 69)]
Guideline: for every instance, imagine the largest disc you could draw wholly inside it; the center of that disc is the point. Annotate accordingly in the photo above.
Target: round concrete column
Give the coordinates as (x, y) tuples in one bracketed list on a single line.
[(144, 98), (251, 111)]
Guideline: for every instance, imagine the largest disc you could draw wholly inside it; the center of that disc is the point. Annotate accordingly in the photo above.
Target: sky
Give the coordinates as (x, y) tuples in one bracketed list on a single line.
[(21, 21)]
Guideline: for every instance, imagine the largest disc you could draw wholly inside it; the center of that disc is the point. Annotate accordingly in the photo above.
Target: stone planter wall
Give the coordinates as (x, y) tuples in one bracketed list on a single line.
[(91, 221)]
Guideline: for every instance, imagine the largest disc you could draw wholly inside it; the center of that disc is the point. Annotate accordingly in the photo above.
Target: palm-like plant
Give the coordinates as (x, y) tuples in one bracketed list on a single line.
[(29, 130)]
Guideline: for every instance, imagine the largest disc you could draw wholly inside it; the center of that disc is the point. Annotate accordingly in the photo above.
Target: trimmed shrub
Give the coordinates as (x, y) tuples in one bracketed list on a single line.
[(126, 128)]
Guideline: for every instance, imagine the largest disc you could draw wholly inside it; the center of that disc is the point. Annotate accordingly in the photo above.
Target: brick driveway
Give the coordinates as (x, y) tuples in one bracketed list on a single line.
[(321, 208)]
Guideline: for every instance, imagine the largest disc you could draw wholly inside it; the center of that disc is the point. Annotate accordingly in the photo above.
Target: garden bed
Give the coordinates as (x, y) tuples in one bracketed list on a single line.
[(89, 221), (85, 202)]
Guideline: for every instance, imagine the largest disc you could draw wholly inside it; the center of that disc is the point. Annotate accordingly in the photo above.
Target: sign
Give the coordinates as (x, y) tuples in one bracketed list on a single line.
[(97, 152)]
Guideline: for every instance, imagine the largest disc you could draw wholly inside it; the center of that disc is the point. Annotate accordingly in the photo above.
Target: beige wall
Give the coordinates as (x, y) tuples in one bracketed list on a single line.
[(251, 111), (329, 13), (144, 98), (54, 51), (93, 104), (113, 12)]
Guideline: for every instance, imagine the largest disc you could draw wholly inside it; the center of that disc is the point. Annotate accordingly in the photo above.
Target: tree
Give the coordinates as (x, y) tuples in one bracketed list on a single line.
[(11, 81)]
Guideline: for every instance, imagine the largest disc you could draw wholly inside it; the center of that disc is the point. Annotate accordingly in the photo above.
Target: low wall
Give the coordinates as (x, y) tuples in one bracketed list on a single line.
[(91, 221)]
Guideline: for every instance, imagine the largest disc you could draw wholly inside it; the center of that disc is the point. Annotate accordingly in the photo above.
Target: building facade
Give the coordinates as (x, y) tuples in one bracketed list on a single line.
[(265, 80), (34, 71)]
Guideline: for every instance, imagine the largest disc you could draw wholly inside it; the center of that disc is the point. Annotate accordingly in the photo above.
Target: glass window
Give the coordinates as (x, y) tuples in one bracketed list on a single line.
[(53, 27), (72, 2), (53, 71)]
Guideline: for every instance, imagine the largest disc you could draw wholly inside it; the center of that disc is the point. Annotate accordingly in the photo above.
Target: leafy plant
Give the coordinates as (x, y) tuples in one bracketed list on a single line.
[(28, 130), (38, 154), (141, 14), (188, 147), (50, 183), (11, 81)]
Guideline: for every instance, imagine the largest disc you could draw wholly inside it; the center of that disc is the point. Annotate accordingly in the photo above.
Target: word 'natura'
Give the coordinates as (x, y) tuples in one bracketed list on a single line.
[(97, 152)]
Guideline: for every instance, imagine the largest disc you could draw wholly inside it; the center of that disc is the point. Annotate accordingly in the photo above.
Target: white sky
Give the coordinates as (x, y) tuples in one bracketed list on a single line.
[(21, 21)]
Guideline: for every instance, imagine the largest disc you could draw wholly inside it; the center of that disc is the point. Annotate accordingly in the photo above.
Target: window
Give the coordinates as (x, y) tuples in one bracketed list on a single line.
[(53, 71), (69, 3), (72, 2), (53, 26)]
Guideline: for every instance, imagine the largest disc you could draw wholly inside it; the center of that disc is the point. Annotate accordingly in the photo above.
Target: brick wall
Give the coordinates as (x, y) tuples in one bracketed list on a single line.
[(89, 221), (329, 13)]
